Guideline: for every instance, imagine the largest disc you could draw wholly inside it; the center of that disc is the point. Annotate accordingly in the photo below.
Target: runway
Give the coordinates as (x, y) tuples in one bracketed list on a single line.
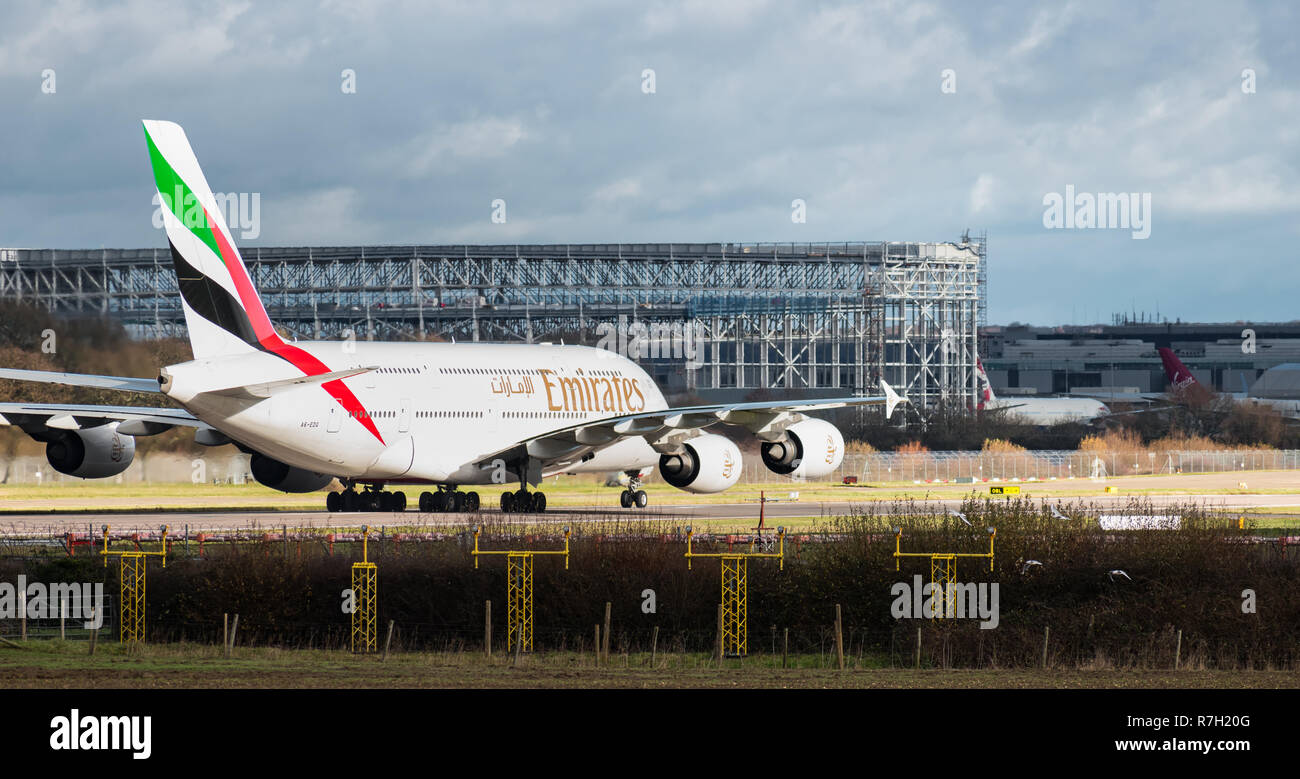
[(196, 521)]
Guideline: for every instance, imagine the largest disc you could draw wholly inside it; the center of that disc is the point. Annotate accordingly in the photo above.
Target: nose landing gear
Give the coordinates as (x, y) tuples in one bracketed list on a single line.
[(633, 495)]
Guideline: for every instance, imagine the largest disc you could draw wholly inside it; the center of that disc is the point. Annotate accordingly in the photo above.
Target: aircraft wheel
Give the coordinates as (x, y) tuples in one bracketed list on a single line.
[(625, 499), (471, 502), (640, 499), (399, 501), (507, 502), (457, 500), (426, 501), (539, 502), (348, 500), (333, 502), (523, 501)]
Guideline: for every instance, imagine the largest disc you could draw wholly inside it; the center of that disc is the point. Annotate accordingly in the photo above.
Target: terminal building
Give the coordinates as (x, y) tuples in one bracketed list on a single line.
[(1121, 358)]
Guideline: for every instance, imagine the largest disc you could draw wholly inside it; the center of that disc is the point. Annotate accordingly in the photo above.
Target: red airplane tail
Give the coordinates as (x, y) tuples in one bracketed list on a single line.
[(1181, 380), (1177, 373)]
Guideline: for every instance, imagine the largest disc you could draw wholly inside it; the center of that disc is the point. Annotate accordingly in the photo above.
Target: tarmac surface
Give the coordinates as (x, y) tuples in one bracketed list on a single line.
[(774, 511)]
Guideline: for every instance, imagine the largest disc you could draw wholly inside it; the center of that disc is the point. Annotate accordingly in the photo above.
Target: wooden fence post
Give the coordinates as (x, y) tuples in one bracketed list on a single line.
[(718, 652), (234, 631), (839, 637), (604, 649)]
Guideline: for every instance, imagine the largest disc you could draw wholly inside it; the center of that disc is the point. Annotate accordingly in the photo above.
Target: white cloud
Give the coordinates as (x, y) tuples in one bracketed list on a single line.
[(1048, 24), (664, 18), (1252, 185), (476, 139), (758, 103), (140, 40), (320, 217), (621, 189), (981, 194)]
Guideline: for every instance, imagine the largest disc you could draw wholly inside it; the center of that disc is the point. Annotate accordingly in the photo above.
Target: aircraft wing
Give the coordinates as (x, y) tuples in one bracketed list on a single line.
[(666, 430), (124, 383), (1136, 411), (39, 417), (1119, 397)]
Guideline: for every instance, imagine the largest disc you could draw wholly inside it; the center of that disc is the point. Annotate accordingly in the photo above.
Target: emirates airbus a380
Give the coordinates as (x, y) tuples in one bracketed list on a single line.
[(375, 415)]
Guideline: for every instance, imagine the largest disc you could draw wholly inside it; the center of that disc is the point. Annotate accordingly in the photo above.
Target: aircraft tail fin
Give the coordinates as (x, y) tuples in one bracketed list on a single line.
[(1182, 382), (1179, 376), (985, 386), (892, 399), (223, 312)]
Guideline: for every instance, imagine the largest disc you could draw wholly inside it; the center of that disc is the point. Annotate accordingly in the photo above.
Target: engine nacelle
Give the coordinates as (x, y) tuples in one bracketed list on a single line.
[(707, 463), (810, 449), (286, 478), (90, 453)]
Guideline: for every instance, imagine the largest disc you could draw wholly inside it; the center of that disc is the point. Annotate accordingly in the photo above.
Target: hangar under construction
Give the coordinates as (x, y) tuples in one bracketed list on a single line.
[(709, 319)]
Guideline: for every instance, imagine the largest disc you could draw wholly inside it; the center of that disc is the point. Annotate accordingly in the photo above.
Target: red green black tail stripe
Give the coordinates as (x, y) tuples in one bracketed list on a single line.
[(245, 318)]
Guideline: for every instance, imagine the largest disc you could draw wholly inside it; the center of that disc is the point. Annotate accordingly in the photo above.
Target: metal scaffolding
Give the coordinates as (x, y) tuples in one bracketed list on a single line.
[(733, 609), (133, 569), (826, 318), (943, 571), (519, 589), (365, 582)]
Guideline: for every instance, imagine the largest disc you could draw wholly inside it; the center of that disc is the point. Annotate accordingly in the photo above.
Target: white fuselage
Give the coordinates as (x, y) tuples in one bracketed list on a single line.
[(436, 409), (1050, 411), (1288, 408)]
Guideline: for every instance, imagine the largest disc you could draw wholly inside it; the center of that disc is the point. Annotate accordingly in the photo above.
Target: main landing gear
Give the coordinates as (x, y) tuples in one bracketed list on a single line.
[(371, 499), (448, 499), (523, 501), (633, 495)]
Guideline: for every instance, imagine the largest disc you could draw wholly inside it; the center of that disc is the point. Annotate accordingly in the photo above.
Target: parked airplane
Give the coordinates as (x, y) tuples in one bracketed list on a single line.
[(1186, 388), (380, 414), (1182, 384), (1039, 411)]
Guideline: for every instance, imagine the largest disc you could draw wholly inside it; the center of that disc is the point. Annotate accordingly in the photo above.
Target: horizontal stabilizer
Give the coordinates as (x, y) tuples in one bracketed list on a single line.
[(265, 388)]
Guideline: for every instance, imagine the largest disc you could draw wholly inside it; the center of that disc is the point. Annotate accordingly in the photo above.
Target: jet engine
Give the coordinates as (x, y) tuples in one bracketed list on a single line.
[(90, 453), (707, 463), (811, 449), (286, 478)]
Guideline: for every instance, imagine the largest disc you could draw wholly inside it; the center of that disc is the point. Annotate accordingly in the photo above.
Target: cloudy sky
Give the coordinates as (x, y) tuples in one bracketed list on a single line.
[(846, 106)]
